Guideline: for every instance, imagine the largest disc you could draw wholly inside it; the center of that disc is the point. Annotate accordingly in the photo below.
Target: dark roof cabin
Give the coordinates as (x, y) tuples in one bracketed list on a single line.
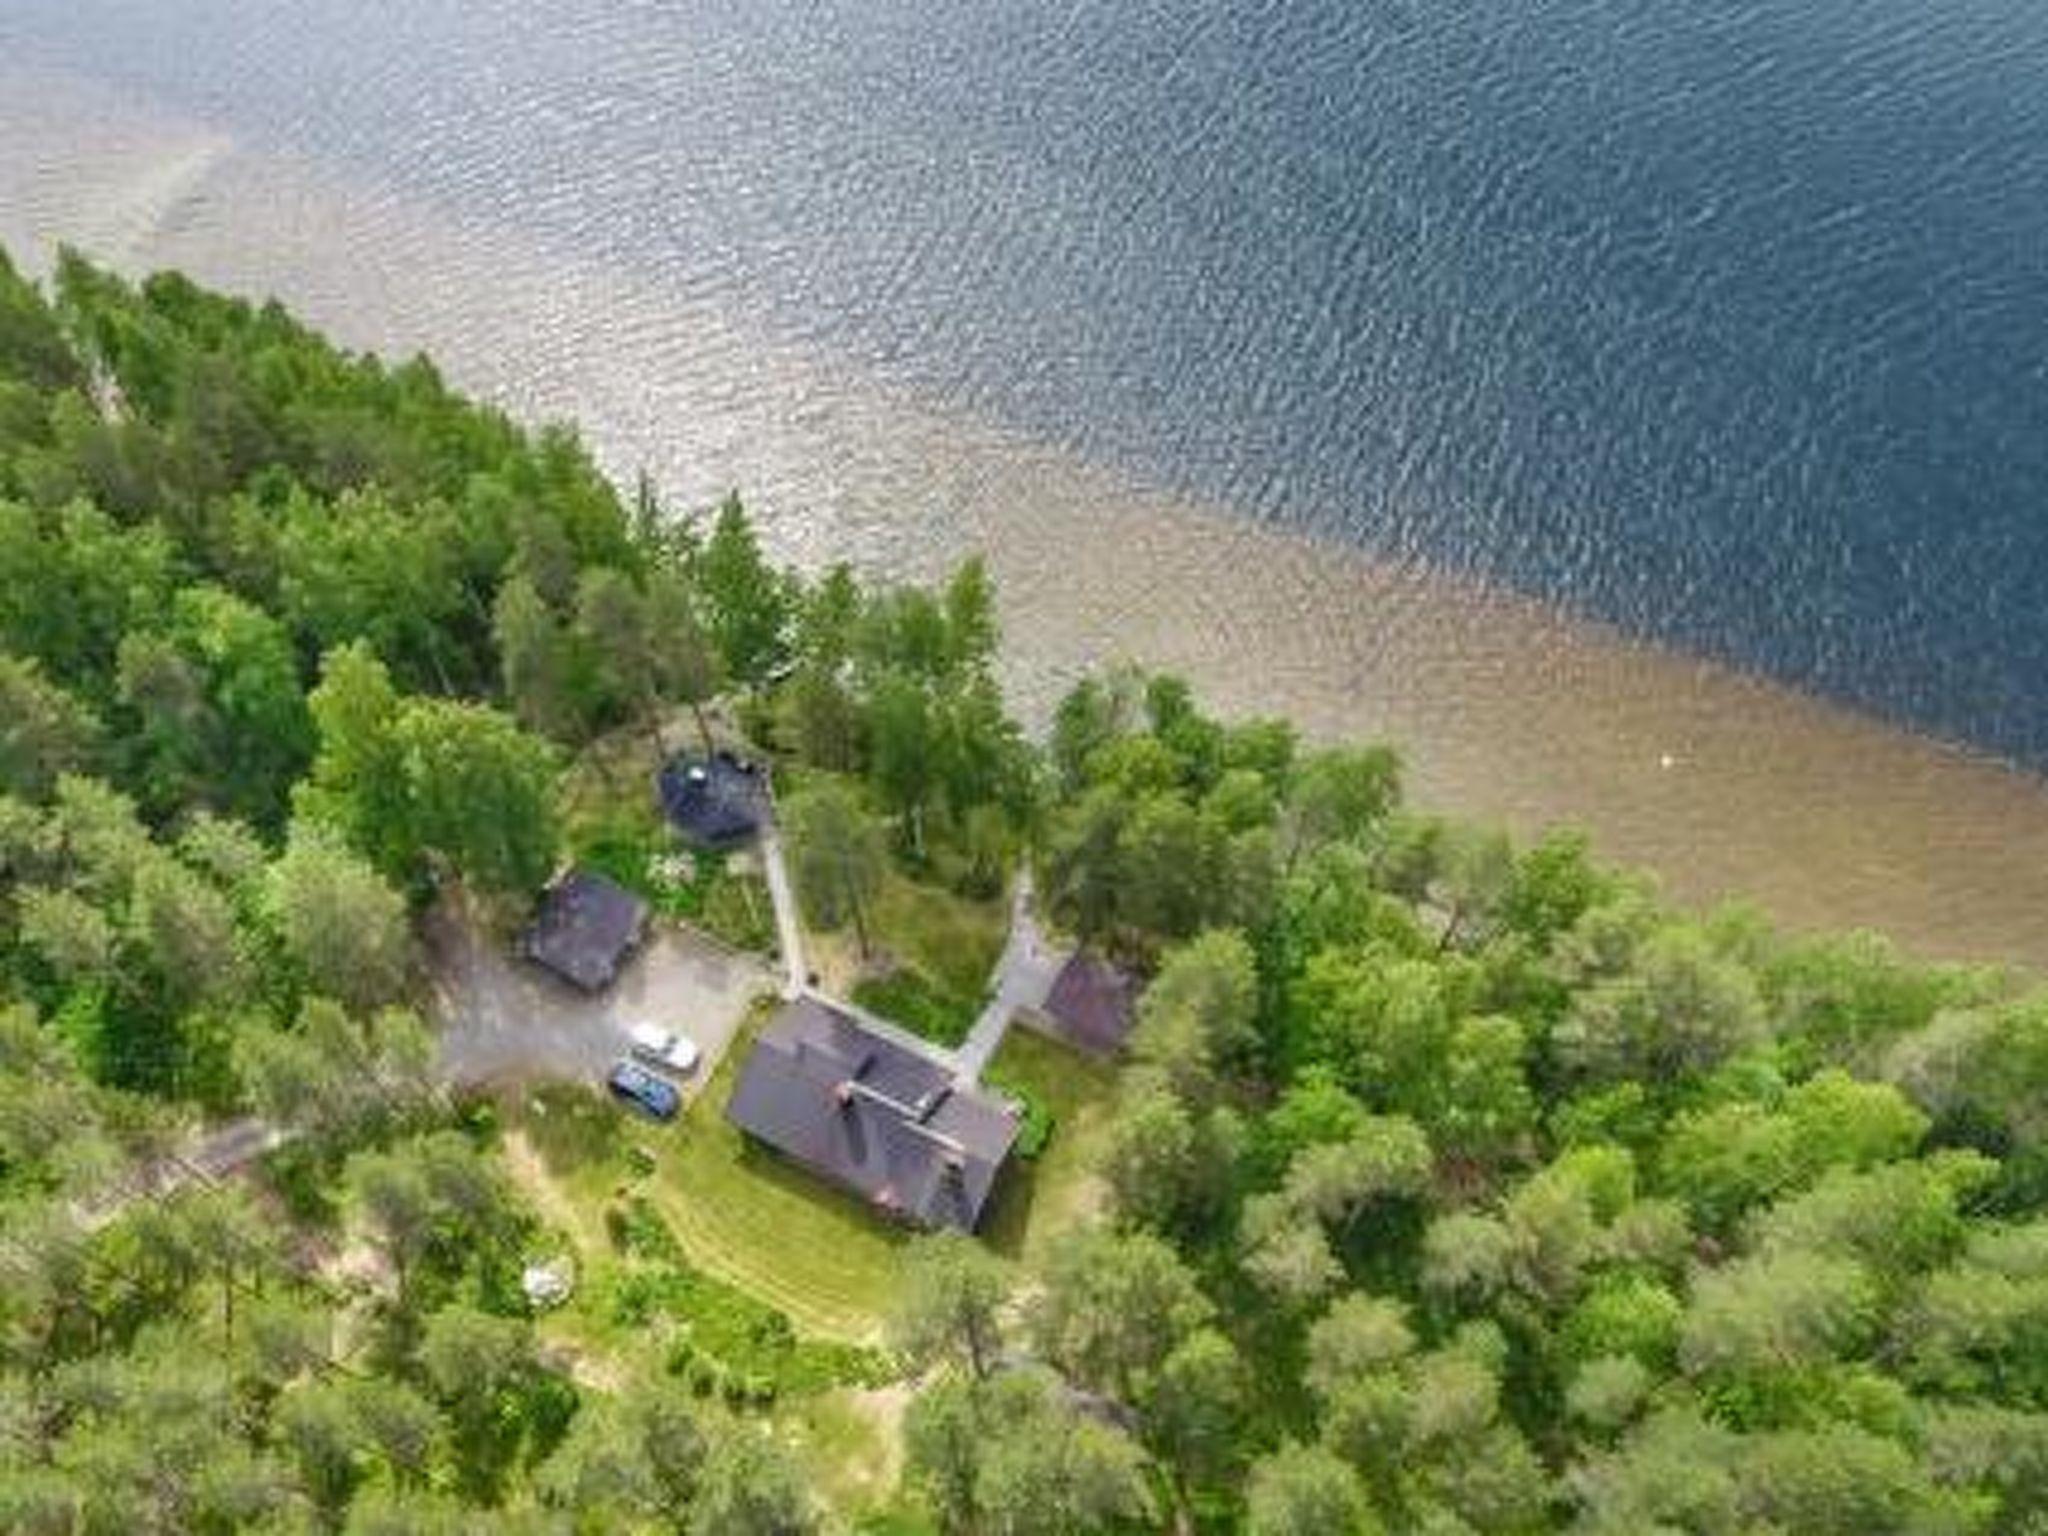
[(718, 801), (873, 1116), (586, 929), (1092, 1004)]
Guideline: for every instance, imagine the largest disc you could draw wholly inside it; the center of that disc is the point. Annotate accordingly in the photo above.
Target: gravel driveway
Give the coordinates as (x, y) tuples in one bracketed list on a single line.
[(501, 1017)]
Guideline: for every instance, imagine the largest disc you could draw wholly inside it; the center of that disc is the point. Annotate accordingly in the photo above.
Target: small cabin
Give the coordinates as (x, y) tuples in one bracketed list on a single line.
[(586, 930), (1091, 1006), (716, 803)]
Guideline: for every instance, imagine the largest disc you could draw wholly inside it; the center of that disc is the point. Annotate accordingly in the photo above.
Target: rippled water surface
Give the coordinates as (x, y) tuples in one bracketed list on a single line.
[(1726, 325)]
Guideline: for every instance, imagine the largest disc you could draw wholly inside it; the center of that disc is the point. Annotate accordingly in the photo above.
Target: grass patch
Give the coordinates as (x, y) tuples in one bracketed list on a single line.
[(943, 948), (896, 1522), (733, 1212), (847, 1441), (1039, 1197), (910, 998), (572, 1128), (953, 941)]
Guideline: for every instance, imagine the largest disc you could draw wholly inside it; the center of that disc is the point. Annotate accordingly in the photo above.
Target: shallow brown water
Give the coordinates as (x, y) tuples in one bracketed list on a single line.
[(1721, 783)]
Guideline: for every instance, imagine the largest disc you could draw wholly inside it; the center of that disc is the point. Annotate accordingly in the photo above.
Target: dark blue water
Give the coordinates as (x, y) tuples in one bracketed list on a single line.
[(1726, 322)]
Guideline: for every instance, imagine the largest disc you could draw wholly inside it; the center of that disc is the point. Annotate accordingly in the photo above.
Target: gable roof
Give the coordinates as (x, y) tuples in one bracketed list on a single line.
[(1092, 1003), (715, 802), (873, 1116), (586, 928)]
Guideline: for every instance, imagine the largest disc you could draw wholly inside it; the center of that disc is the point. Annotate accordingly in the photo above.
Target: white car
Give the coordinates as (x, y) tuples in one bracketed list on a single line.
[(663, 1048)]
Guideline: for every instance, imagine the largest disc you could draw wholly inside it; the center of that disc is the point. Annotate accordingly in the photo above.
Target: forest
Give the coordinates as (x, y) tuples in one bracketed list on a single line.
[(1453, 1184)]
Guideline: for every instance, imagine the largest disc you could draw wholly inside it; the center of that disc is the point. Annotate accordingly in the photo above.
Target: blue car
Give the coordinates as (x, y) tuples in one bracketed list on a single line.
[(651, 1095)]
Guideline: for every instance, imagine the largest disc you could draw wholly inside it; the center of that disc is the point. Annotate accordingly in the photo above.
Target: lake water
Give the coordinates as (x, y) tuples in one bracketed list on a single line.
[(1525, 382)]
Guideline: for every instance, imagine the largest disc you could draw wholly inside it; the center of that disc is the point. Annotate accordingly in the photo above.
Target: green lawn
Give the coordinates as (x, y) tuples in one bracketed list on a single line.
[(1041, 1198), (953, 941), (747, 1216), (740, 1213)]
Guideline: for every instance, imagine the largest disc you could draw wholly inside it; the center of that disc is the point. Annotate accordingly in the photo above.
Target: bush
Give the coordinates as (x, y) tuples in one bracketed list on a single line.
[(478, 1119), (1039, 1120), (636, 1228), (305, 1181)]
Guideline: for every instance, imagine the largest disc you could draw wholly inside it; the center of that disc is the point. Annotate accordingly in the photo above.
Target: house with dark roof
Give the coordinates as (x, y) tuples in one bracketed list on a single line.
[(715, 802), (1092, 1005), (873, 1116), (586, 930)]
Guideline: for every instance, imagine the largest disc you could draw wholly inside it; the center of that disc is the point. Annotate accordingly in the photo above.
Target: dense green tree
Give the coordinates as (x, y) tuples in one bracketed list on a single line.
[(748, 1487), (1303, 1490), (1115, 1306), (970, 603), (746, 601), (1169, 1166), (683, 665), (1193, 1412), (1340, 795), (44, 731), (1679, 1008), (639, 1457), (1095, 713), (498, 1398), (341, 922), (1016, 1454), (480, 794), (538, 664), (220, 716), (839, 856), (1082, 871), (358, 780), (903, 754), (366, 567), (952, 1296)]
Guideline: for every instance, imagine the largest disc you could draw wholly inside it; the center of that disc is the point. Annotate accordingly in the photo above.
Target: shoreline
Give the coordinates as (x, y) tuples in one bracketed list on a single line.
[(1719, 781)]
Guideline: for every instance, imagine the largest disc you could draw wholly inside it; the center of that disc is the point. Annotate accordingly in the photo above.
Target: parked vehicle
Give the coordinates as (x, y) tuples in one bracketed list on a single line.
[(663, 1048), (653, 1096)]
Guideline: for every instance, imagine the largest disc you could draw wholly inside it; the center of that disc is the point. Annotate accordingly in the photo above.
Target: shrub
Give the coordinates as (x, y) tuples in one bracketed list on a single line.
[(640, 1231), (478, 1119), (1039, 1121)]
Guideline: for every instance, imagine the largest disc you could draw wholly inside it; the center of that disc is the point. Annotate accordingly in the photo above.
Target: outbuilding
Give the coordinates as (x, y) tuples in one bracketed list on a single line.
[(586, 930), (1092, 1005), (718, 802)]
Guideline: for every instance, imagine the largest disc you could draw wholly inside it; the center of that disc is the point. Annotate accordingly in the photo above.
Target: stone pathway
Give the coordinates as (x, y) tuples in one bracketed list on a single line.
[(789, 928), (1023, 979)]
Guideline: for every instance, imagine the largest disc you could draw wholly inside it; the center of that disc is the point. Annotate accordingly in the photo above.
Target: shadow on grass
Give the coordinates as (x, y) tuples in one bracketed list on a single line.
[(1008, 1224)]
